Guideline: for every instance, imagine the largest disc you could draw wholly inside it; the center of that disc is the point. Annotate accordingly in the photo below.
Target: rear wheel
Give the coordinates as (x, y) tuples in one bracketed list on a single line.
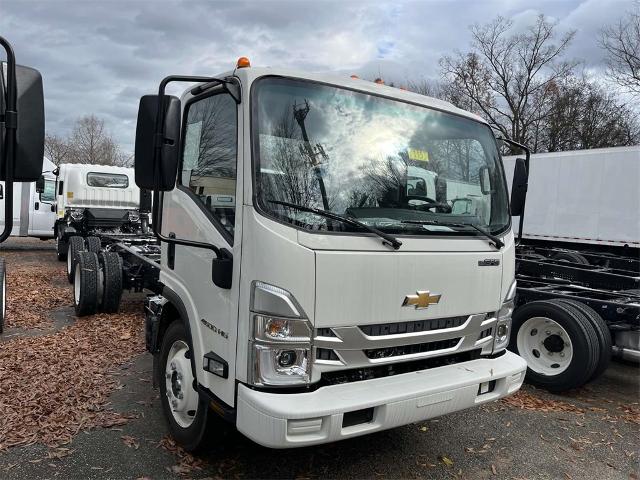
[(61, 249), (112, 285), (558, 343), (3, 293), (602, 332), (85, 284), (93, 244), (572, 257), (76, 245), (187, 415)]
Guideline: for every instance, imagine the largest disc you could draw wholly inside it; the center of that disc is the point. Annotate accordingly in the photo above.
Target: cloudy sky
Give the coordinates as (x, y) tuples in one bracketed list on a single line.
[(100, 56)]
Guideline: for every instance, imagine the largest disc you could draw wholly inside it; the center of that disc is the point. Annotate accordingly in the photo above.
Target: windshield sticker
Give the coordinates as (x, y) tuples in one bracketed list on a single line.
[(418, 155), (438, 228)]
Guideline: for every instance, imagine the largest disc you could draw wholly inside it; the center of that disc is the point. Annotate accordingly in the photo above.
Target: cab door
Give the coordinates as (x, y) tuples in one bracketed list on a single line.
[(206, 207), (43, 214)]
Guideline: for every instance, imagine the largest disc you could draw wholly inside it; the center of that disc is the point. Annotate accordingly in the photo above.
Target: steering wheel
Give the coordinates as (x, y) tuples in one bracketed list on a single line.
[(428, 204)]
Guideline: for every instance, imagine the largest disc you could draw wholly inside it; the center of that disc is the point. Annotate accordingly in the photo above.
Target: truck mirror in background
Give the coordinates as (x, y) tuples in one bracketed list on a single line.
[(519, 187), (485, 180), (29, 122), (40, 184), (441, 189), (156, 155)]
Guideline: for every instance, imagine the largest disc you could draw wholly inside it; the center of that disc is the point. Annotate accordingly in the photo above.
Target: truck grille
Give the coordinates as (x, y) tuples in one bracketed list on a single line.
[(411, 327), (338, 349)]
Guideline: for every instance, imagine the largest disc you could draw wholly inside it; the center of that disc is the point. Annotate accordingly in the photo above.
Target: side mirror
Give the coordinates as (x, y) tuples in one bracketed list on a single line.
[(519, 187), (441, 189), (156, 156), (29, 151), (222, 269), (485, 180), (1, 192), (40, 184)]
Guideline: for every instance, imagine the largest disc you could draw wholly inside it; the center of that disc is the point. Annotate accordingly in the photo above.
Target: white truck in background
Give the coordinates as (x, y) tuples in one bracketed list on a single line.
[(34, 212), (584, 198), (92, 200)]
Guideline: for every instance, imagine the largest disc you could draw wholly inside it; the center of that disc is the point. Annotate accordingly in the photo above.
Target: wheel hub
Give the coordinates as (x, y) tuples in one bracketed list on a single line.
[(183, 399), (554, 343)]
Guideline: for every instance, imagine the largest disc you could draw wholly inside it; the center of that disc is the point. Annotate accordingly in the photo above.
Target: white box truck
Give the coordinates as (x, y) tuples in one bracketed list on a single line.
[(34, 212), (312, 283), (588, 198)]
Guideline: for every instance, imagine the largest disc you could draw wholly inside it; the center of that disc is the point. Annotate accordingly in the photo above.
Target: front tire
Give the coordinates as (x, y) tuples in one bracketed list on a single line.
[(188, 416), (558, 343), (76, 245), (61, 249), (85, 284)]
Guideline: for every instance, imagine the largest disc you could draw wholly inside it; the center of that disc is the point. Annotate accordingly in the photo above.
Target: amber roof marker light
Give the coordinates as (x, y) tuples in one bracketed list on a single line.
[(243, 62)]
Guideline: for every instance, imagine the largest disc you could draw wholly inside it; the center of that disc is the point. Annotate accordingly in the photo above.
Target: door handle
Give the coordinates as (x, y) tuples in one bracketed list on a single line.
[(37, 206)]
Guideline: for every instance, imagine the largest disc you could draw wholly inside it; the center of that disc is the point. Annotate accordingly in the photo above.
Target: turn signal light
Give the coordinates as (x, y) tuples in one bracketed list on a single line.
[(243, 62)]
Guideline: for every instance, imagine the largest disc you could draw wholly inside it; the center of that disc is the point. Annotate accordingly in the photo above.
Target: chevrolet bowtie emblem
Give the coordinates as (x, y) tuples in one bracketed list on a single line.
[(421, 299)]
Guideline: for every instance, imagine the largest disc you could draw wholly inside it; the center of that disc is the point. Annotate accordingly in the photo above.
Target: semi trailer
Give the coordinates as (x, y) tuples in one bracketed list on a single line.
[(580, 246), (309, 278), (34, 205)]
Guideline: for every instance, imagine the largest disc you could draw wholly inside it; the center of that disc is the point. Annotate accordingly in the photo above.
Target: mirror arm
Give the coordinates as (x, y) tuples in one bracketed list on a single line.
[(176, 241), (527, 154), (11, 124)]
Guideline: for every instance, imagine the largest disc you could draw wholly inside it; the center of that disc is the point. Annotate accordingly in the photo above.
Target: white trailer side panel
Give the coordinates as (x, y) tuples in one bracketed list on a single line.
[(587, 196)]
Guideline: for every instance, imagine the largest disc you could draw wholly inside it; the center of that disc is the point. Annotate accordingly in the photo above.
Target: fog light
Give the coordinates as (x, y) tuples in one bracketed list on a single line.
[(287, 358), (502, 330)]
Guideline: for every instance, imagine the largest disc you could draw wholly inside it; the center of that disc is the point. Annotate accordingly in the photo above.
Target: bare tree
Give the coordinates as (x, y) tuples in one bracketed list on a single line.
[(57, 149), (585, 115), (621, 42), (506, 75)]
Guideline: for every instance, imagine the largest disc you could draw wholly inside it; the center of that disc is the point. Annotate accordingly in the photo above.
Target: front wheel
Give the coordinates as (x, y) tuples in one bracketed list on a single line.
[(3, 292), (187, 415), (61, 249)]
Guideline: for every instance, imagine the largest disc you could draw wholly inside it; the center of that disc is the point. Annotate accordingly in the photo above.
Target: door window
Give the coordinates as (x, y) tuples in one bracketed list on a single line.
[(209, 156), (49, 194)]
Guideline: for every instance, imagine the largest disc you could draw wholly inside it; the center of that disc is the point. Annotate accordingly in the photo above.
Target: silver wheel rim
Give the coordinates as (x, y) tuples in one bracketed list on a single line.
[(182, 398), (76, 285), (69, 261), (545, 345)]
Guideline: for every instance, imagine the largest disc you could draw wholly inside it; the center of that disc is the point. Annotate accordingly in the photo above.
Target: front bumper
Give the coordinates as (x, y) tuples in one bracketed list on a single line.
[(281, 420)]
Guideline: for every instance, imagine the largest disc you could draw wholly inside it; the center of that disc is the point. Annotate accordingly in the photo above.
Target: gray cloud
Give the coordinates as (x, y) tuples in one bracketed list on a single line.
[(101, 56)]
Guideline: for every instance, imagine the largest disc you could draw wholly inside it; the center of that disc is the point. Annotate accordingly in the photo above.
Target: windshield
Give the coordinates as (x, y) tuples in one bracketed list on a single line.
[(110, 180), (398, 167)]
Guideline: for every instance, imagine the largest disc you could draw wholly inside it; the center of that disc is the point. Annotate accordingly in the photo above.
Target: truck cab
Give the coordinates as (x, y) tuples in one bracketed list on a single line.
[(316, 282)]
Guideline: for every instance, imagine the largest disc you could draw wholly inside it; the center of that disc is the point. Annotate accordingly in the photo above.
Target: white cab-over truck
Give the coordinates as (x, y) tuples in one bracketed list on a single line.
[(92, 201), (313, 284), (34, 205)]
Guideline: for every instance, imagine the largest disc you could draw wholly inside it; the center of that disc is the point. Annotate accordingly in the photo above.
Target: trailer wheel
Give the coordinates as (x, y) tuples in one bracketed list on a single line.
[(61, 249), (85, 284), (76, 244), (3, 293), (188, 416), (558, 343), (572, 257), (93, 244), (602, 332), (112, 286)]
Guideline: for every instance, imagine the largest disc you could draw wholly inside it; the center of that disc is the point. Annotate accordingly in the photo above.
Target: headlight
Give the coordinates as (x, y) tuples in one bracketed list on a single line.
[(280, 344), (503, 326), (77, 213), (134, 216)]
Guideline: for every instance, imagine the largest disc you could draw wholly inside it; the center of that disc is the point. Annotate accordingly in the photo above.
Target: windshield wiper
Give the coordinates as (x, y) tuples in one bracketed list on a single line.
[(495, 240), (389, 240)]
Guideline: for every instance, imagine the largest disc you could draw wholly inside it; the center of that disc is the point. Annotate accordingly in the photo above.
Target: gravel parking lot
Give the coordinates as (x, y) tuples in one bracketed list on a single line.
[(76, 402)]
